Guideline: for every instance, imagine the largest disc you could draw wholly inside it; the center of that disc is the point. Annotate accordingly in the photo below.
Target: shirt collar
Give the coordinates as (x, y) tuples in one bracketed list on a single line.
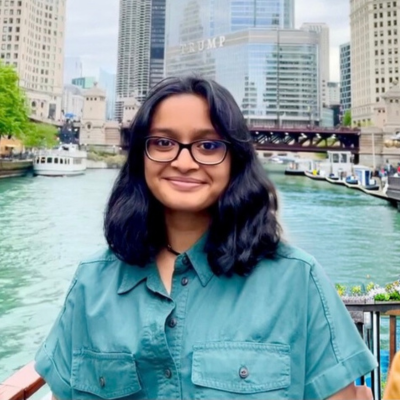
[(130, 275), (199, 261)]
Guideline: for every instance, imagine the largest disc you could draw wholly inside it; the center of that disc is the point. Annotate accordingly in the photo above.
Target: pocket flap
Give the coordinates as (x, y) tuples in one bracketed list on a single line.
[(241, 367), (106, 375)]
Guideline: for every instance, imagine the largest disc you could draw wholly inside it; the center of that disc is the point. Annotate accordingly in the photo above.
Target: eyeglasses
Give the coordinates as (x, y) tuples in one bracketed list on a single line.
[(206, 152)]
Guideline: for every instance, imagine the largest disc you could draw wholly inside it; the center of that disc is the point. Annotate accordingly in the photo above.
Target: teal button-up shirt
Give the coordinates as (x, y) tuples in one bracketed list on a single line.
[(281, 332)]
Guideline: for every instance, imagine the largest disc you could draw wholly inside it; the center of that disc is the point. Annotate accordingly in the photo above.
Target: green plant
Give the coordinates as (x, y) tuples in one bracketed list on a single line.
[(356, 291), (382, 297), (370, 286), (341, 289)]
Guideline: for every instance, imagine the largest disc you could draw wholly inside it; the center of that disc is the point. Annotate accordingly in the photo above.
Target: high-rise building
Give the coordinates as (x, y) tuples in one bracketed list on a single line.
[(333, 95), (345, 77), (272, 73), (32, 40), (375, 37), (84, 82), (107, 81), (140, 49), (324, 49)]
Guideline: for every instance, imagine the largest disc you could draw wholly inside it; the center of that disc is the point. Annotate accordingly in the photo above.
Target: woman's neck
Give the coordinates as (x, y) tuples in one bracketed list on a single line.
[(185, 229)]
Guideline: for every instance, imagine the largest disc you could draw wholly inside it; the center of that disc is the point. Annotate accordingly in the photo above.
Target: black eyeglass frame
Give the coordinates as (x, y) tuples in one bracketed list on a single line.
[(187, 146)]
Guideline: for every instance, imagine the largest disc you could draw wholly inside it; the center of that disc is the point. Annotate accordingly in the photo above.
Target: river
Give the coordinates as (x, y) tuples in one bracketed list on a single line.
[(48, 225)]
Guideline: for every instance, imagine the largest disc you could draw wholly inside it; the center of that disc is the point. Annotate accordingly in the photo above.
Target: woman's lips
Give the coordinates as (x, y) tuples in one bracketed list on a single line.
[(185, 183)]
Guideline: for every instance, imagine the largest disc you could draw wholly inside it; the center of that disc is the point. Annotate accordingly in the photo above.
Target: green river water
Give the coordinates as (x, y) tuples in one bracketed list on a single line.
[(48, 225)]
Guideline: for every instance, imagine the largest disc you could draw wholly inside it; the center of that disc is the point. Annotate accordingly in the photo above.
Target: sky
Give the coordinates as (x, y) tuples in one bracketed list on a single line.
[(92, 31)]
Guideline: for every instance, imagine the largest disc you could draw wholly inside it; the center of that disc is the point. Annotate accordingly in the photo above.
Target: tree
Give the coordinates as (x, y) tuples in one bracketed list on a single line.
[(347, 118), (14, 113)]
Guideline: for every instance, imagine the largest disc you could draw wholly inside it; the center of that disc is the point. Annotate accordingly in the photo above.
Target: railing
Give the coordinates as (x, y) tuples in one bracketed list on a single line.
[(367, 317), (24, 384)]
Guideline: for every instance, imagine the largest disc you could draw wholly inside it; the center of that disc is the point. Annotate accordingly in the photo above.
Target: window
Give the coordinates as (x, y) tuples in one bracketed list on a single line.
[(49, 160)]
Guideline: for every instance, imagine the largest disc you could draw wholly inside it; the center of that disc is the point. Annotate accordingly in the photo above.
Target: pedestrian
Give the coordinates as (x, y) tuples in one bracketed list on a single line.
[(197, 295)]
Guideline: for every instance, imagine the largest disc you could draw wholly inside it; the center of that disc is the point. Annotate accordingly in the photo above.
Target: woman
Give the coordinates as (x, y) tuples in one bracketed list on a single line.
[(198, 296)]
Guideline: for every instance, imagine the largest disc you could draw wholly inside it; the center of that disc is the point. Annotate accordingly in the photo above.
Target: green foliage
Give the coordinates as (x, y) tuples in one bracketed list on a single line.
[(341, 289), (41, 135), (14, 113), (13, 106), (356, 291), (382, 297), (370, 286), (347, 118)]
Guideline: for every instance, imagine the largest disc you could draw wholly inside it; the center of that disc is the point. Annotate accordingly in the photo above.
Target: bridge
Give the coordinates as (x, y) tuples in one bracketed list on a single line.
[(309, 139)]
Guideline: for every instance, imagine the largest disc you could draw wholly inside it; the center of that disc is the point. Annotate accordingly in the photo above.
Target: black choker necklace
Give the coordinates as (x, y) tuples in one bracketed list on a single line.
[(171, 250)]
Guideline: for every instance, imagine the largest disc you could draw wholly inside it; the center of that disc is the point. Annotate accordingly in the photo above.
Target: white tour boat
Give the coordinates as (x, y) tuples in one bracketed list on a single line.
[(63, 161)]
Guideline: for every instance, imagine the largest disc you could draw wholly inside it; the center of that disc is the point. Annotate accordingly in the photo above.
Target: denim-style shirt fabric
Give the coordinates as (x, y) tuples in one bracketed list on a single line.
[(280, 333)]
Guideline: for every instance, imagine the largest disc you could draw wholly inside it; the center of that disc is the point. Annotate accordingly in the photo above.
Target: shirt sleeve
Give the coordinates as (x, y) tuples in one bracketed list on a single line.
[(54, 358), (336, 354)]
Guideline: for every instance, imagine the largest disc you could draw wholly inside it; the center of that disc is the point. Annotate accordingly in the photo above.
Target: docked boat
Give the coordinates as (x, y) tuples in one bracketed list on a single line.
[(315, 175), (66, 160), (298, 167)]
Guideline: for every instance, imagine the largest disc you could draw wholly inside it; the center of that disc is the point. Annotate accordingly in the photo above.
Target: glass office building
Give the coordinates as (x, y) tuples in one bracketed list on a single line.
[(272, 72)]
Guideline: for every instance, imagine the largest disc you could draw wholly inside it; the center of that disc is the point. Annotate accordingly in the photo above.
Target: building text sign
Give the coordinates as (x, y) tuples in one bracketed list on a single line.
[(202, 45)]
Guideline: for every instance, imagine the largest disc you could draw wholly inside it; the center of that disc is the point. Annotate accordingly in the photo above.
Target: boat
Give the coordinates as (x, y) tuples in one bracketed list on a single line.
[(364, 177), (66, 160), (298, 167), (315, 175), (352, 182), (335, 180)]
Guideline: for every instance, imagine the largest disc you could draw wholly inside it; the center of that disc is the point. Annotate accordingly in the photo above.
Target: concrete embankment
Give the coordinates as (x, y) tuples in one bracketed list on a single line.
[(11, 169)]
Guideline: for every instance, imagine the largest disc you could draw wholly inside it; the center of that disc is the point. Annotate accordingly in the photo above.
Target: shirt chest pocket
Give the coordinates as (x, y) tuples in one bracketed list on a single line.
[(241, 370), (104, 375)]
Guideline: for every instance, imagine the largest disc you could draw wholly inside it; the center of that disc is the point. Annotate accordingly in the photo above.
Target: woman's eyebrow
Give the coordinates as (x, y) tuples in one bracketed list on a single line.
[(196, 132)]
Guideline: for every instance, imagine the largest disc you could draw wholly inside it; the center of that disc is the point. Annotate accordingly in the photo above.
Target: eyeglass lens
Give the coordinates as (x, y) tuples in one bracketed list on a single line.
[(203, 151)]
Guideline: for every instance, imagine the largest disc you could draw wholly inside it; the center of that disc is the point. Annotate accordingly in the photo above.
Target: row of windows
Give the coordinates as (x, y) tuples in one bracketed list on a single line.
[(11, 3), (389, 14), (388, 4), (58, 160), (11, 12), (9, 38)]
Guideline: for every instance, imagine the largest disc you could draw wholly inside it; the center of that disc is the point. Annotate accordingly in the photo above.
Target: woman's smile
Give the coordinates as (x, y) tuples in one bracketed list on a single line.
[(185, 183)]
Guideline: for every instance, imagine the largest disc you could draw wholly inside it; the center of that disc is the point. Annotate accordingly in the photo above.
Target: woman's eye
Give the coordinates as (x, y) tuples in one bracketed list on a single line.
[(209, 145), (164, 143)]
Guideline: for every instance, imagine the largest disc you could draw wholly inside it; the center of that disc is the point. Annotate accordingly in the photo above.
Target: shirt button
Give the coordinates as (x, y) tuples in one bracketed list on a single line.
[(244, 372), (102, 382), (186, 260), (173, 322), (185, 281), (168, 373)]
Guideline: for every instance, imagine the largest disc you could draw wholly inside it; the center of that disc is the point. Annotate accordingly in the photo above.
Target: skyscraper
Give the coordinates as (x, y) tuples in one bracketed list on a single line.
[(322, 30), (32, 40), (272, 72), (107, 81), (375, 37), (140, 49), (345, 77)]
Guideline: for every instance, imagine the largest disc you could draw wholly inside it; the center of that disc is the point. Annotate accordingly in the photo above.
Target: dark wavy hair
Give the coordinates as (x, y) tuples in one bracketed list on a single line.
[(244, 227)]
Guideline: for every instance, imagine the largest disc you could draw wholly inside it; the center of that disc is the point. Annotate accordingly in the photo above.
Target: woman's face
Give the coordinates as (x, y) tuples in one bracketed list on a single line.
[(184, 184)]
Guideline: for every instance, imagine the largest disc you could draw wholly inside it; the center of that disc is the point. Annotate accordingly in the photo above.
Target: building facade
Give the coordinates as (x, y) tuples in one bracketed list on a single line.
[(72, 102), (324, 56), (375, 39), (107, 81), (32, 40), (333, 94), (345, 77), (273, 74), (84, 82), (140, 49)]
